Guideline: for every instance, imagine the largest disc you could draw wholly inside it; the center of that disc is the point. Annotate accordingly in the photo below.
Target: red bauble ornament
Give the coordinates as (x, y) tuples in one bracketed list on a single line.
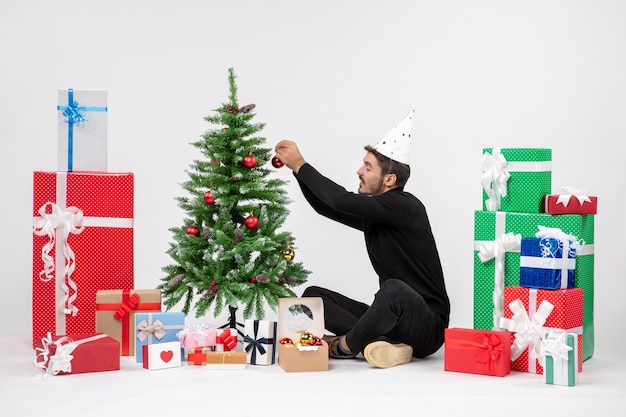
[(277, 163), (230, 109), (251, 221), (213, 283), (208, 198), (234, 179), (249, 161), (280, 281), (253, 280), (192, 230)]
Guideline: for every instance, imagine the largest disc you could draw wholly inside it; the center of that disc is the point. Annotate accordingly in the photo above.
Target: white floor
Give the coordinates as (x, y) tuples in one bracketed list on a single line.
[(350, 387)]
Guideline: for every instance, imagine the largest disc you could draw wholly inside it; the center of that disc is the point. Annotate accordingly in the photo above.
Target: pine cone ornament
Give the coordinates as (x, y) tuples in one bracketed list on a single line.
[(211, 292), (176, 280), (262, 279), (291, 279), (238, 235), (247, 108), (206, 233)]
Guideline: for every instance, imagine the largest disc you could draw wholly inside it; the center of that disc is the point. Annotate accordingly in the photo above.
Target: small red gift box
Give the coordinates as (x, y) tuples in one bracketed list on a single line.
[(82, 243), (78, 353), (570, 201), (473, 351), (566, 314)]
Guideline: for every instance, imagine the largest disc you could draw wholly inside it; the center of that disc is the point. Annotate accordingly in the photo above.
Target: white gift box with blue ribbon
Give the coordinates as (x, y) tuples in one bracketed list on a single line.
[(82, 130), (260, 341), (548, 261)]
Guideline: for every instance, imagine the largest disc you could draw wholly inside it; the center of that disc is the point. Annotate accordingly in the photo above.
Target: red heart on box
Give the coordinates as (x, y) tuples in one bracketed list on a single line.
[(167, 355)]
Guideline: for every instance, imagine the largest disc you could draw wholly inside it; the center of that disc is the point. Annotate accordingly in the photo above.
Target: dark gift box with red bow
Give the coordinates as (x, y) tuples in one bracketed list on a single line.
[(474, 351)]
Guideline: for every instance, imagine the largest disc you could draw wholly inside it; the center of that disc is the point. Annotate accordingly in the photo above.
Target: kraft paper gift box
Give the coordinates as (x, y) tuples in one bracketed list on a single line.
[(295, 317), (116, 310), (570, 201), (197, 335), (530, 313), (260, 341), (516, 179), (161, 355), (82, 130), (82, 243), (482, 352), (77, 353), (230, 360), (561, 351), (198, 355), (501, 267), (547, 263), (152, 328)]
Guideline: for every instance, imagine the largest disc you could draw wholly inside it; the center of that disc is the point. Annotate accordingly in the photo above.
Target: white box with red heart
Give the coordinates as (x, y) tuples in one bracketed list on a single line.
[(161, 355)]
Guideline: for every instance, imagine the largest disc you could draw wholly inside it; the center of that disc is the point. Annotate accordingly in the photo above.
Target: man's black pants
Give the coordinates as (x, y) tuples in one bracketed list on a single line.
[(398, 313)]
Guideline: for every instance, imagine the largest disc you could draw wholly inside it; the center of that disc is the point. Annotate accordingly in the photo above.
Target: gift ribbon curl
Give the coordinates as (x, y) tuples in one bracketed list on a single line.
[(57, 226), (496, 250), (61, 361), (528, 331), (494, 178)]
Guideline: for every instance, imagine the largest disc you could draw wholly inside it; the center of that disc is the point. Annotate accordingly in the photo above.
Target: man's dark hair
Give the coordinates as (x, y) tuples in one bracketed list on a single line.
[(389, 166)]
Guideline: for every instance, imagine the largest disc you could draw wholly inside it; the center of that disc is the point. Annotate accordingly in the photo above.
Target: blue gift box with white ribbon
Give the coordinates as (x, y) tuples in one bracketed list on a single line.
[(82, 130), (547, 263), (154, 328)]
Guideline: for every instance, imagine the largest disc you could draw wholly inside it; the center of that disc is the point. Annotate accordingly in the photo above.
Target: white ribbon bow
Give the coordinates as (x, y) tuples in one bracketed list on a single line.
[(494, 178), (146, 330), (197, 330), (528, 331), (566, 193), (555, 345), (61, 361), (58, 225), (496, 249)]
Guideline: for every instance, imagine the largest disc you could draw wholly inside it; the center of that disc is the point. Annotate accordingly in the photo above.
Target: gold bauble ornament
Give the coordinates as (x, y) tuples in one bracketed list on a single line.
[(307, 339), (288, 254)]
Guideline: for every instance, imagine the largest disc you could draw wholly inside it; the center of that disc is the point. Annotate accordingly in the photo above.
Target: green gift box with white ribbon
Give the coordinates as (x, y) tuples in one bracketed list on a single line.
[(516, 179), (497, 262), (560, 365)]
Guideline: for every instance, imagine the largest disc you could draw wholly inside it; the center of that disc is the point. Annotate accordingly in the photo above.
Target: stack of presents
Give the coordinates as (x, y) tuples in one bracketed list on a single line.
[(86, 313), (533, 274)]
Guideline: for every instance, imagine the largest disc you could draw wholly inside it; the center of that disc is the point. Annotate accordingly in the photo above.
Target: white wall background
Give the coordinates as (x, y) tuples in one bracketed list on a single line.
[(334, 76)]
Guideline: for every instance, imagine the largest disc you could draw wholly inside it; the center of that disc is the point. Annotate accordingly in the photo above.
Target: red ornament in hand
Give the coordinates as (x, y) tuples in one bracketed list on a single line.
[(193, 230), (251, 221), (277, 163), (249, 161), (208, 198)]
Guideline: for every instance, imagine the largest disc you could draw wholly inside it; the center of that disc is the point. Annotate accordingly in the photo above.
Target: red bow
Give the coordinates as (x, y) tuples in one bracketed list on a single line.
[(229, 341)]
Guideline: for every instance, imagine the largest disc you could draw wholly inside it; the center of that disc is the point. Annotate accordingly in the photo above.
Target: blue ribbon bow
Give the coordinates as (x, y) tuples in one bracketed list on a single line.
[(74, 114)]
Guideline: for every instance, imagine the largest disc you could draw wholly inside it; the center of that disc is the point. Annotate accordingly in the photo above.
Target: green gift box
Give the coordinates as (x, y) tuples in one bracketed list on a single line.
[(489, 226), (516, 179)]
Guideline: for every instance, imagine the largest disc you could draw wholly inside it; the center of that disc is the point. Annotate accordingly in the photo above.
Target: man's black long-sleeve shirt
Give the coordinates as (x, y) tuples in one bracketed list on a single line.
[(397, 232)]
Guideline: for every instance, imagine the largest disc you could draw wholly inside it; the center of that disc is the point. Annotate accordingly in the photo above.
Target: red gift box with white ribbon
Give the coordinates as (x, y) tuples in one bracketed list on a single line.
[(530, 313), (570, 201), (82, 243)]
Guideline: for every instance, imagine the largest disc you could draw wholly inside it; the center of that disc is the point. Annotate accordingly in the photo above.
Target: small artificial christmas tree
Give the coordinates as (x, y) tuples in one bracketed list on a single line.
[(231, 251)]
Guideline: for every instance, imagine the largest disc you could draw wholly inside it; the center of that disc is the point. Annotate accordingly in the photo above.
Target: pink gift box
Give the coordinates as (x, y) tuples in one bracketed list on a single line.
[(199, 335)]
